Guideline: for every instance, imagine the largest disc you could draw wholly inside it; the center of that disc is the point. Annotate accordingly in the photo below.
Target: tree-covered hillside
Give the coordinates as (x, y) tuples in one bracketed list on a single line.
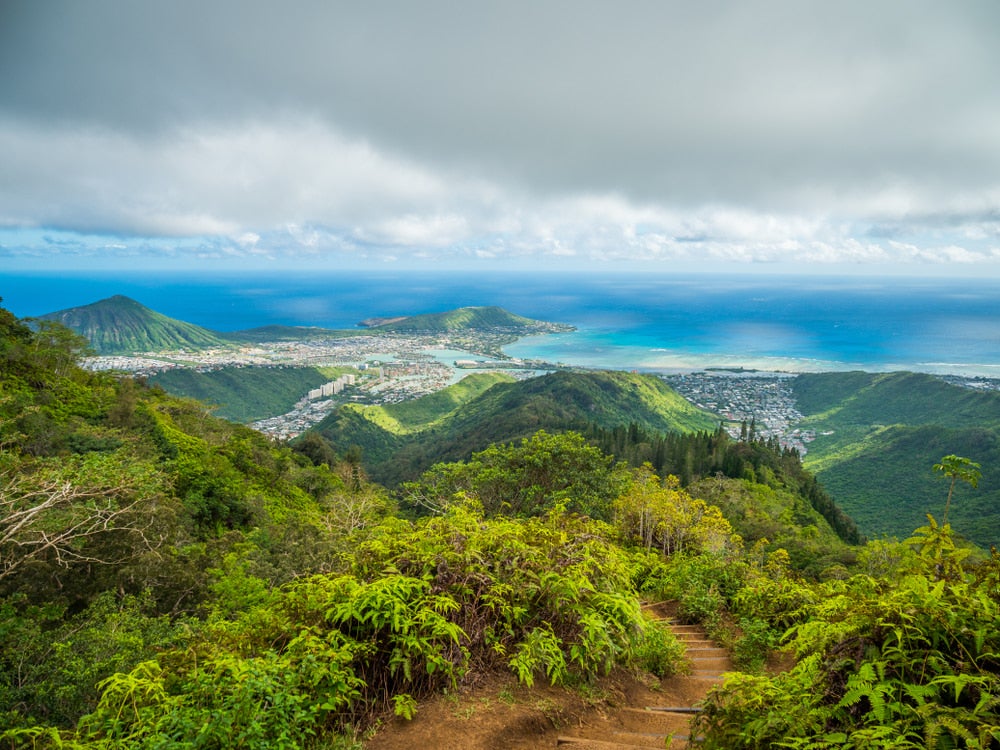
[(246, 394), (704, 458), (506, 411), (878, 435)]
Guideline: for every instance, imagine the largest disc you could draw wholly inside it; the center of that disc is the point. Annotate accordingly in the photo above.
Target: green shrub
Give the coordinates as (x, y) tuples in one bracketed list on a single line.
[(658, 651), (910, 662), (753, 644)]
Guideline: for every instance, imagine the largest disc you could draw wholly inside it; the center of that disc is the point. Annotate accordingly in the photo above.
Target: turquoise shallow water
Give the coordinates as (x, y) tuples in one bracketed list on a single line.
[(624, 321), (603, 349)]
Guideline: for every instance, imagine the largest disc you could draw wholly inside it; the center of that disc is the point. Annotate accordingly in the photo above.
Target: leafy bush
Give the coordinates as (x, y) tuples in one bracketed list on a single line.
[(423, 606), (780, 603), (655, 512), (753, 644), (527, 479), (51, 664), (658, 651), (905, 663)]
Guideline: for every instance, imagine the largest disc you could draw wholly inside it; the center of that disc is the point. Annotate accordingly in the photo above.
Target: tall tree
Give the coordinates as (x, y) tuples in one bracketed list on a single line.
[(956, 468)]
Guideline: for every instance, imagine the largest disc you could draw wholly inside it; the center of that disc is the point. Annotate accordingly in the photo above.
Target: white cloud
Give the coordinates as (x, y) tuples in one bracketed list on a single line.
[(412, 230), (234, 181), (295, 189)]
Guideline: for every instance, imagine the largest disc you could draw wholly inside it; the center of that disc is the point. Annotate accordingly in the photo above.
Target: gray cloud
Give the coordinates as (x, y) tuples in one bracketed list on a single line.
[(509, 127)]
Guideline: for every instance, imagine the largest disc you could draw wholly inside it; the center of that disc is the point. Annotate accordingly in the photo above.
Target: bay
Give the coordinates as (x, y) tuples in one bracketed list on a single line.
[(625, 321)]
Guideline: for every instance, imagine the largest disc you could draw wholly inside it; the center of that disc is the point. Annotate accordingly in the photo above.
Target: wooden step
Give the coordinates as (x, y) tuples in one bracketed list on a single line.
[(719, 663), (658, 722), (641, 739), (583, 743), (635, 727), (592, 744), (618, 737)]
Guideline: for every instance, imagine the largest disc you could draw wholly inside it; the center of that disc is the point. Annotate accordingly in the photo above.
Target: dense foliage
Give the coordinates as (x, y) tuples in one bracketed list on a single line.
[(909, 661), (420, 608)]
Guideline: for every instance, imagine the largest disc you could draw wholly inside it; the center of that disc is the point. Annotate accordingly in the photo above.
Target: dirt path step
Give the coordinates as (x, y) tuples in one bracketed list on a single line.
[(584, 743), (635, 727), (588, 744), (651, 721)]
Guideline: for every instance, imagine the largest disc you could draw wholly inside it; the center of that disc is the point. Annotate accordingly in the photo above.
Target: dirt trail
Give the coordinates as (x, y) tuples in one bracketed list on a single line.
[(665, 724), (624, 712)]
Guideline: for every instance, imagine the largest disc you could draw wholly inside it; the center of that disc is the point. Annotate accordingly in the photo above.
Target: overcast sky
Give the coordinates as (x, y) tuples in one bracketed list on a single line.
[(581, 135)]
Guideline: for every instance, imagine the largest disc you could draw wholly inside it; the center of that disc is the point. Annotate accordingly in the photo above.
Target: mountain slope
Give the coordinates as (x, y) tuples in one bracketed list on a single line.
[(120, 325), (511, 411), (465, 318), (878, 437), (245, 394), (408, 417), (842, 399)]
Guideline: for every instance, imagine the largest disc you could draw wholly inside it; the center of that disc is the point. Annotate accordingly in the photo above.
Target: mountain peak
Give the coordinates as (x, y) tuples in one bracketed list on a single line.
[(121, 325)]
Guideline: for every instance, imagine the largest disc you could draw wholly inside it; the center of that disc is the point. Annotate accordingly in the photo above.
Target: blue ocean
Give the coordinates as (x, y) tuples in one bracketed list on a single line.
[(665, 323)]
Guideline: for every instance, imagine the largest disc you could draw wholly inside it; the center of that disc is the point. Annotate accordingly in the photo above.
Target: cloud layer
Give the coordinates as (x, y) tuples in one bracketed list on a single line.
[(566, 132)]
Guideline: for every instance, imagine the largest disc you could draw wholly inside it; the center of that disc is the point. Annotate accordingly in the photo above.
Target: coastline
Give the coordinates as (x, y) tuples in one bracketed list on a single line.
[(594, 349), (665, 323)]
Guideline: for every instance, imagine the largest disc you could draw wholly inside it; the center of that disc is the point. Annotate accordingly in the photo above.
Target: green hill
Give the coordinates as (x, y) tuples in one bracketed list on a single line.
[(841, 399), (878, 435), (246, 394), (120, 325), (504, 412), (409, 417), (465, 318)]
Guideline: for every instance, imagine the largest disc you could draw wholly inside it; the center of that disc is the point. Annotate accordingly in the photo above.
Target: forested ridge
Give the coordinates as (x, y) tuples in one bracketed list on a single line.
[(507, 411), (172, 580), (878, 434)]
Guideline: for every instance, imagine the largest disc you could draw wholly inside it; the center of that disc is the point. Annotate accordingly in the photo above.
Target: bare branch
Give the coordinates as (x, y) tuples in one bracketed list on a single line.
[(57, 520)]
